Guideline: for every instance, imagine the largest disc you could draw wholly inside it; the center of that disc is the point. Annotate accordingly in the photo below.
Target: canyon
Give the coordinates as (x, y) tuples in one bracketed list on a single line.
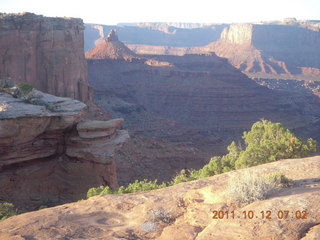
[(195, 98), (284, 50)]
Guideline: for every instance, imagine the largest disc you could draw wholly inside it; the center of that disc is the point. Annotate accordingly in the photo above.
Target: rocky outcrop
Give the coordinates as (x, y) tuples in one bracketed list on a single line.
[(46, 52), (185, 211), (49, 154), (111, 48)]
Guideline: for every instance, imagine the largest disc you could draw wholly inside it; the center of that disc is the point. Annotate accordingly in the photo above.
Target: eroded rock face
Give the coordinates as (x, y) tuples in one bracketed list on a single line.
[(49, 154), (46, 52)]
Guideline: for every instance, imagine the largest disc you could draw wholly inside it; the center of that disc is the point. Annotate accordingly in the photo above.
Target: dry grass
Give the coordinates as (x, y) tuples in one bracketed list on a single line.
[(251, 187)]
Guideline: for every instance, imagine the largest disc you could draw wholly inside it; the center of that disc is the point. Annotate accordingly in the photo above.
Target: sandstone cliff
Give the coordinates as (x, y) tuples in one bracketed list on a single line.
[(46, 52), (49, 154), (184, 212)]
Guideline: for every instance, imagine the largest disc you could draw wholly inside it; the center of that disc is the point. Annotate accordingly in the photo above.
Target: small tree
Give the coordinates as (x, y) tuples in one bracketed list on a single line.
[(6, 210), (268, 142)]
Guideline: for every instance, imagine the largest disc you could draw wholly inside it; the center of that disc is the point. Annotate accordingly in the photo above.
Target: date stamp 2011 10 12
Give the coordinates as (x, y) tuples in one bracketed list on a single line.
[(264, 214)]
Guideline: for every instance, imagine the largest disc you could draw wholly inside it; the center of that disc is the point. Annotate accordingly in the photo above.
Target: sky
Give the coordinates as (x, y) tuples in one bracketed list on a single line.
[(195, 11)]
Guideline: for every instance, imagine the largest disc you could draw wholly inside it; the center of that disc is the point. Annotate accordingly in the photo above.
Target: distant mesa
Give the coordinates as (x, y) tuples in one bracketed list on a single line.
[(286, 50)]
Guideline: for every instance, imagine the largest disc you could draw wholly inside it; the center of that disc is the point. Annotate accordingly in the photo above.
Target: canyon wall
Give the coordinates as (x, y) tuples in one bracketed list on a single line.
[(49, 154), (46, 52), (286, 50)]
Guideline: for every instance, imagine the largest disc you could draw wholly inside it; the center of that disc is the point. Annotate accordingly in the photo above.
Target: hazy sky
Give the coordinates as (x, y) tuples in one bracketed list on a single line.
[(206, 11)]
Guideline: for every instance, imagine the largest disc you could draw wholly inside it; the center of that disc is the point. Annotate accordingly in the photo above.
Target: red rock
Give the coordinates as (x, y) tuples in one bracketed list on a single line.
[(110, 48), (44, 160), (46, 52)]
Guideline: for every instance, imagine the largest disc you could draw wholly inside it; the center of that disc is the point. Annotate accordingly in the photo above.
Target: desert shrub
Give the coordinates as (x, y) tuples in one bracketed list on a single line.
[(251, 187), (99, 191), (24, 88), (278, 179), (136, 186), (6, 210), (145, 185), (185, 176)]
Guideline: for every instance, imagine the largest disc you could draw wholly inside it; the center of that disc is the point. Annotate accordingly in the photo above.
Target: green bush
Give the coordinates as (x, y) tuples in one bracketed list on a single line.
[(136, 186), (6, 210), (265, 142), (185, 176), (24, 88), (269, 142)]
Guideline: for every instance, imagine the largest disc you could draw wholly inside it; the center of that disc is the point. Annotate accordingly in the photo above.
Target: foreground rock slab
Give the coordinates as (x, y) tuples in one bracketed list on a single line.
[(184, 211)]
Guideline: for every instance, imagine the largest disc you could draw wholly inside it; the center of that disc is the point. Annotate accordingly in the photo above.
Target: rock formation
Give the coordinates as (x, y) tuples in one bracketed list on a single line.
[(270, 49), (160, 34), (49, 154), (110, 48), (46, 52), (194, 94), (185, 211), (286, 50)]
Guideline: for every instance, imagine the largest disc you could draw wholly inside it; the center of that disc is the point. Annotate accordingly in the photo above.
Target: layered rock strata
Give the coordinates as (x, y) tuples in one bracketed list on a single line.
[(49, 154), (194, 94), (46, 52)]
